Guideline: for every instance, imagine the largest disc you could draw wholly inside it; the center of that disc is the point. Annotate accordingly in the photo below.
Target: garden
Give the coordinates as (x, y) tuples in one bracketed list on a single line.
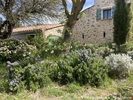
[(44, 69)]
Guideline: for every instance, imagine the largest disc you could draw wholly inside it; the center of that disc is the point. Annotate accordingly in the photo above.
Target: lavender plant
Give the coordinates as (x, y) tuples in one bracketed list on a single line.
[(30, 77)]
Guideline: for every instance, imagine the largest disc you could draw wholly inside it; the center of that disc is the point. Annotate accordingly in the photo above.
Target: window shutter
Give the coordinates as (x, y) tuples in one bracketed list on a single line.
[(113, 10), (98, 15)]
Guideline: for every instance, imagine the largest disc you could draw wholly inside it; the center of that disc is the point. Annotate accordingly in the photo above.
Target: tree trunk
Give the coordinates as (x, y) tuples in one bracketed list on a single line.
[(68, 29), (68, 32), (8, 28)]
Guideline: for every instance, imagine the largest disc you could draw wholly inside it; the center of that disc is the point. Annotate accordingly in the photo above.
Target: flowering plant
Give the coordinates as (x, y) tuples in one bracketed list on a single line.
[(13, 50), (119, 64)]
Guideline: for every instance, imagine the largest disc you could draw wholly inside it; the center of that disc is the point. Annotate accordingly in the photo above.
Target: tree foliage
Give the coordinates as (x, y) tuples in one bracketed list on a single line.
[(72, 16), (122, 21), (18, 11)]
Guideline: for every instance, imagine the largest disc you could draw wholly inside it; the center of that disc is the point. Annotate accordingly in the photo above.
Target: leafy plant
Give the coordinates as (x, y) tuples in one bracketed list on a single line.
[(126, 92), (38, 40), (54, 45), (103, 51), (82, 67), (31, 77), (72, 88), (13, 50), (122, 27), (119, 65), (77, 46)]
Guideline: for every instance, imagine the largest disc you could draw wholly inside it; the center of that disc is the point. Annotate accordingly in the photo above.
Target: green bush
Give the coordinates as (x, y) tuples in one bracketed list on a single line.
[(30, 77), (82, 67), (13, 50), (103, 51), (77, 46), (54, 46), (94, 72), (38, 40)]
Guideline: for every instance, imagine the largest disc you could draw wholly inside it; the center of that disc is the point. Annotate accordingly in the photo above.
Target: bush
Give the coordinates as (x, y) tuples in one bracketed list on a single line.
[(130, 53), (103, 51), (38, 40), (77, 46), (13, 50), (119, 65), (30, 77), (54, 46), (93, 72), (82, 67)]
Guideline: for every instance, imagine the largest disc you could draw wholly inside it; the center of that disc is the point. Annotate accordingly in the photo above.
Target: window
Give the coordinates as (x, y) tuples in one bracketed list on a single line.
[(83, 36), (104, 34), (107, 14), (32, 35)]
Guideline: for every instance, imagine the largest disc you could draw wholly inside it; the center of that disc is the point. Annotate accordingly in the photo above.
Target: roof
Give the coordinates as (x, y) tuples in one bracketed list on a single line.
[(37, 27), (88, 8)]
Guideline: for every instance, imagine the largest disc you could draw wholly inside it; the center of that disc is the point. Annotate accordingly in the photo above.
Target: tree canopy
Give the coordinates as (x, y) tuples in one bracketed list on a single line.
[(19, 11), (122, 21)]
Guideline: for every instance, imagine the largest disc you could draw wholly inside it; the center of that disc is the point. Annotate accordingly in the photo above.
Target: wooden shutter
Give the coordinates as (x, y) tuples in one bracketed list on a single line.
[(98, 15), (113, 10)]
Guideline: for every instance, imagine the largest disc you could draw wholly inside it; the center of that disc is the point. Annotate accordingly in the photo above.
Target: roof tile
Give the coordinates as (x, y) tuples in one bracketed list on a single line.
[(31, 28)]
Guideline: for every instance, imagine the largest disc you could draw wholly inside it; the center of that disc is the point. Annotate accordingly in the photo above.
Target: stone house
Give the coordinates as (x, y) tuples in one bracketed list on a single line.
[(96, 24), (48, 29)]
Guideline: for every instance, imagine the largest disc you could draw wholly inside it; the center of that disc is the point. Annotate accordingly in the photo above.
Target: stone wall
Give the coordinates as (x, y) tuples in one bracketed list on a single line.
[(90, 30), (53, 31)]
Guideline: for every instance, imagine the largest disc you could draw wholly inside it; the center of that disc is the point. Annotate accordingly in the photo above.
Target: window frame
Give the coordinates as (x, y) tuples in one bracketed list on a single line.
[(108, 8), (108, 14)]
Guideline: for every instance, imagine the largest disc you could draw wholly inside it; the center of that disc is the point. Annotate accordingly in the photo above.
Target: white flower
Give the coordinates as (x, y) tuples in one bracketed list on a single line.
[(120, 62)]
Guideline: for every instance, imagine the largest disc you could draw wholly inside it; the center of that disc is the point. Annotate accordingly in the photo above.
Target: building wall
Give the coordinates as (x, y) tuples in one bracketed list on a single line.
[(22, 35), (54, 31), (19, 36), (90, 30)]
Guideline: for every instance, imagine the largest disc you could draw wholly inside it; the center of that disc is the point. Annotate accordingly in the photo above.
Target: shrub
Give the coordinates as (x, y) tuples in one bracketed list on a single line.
[(30, 77), (93, 72), (130, 53), (103, 51), (77, 46), (13, 50), (54, 45), (122, 27), (38, 40), (82, 67), (119, 64)]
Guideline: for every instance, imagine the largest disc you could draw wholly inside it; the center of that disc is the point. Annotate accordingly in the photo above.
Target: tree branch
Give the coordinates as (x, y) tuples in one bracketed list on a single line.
[(1, 3), (66, 9)]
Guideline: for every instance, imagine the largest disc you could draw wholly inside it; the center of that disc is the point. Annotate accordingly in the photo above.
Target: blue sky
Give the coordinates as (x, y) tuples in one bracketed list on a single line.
[(87, 4)]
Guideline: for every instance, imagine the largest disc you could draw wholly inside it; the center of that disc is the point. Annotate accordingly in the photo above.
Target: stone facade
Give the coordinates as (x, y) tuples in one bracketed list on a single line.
[(54, 31), (21, 33), (92, 30)]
